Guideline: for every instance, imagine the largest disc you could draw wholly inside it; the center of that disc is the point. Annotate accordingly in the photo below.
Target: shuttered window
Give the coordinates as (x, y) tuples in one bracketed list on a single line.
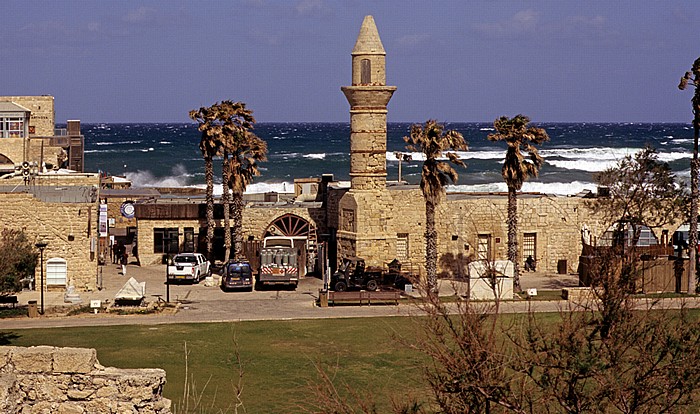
[(402, 246), (56, 272)]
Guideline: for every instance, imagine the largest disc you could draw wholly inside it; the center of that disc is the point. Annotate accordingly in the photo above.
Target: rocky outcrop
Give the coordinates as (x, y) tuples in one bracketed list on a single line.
[(44, 379)]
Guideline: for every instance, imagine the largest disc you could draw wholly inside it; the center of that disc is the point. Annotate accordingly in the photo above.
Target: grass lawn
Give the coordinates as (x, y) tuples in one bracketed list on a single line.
[(278, 357)]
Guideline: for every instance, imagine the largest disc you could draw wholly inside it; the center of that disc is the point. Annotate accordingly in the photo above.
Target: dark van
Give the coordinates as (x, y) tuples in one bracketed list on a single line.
[(237, 275)]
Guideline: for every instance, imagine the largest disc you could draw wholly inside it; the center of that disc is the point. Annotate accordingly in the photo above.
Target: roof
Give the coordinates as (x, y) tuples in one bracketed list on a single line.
[(12, 107), (129, 192), (368, 41)]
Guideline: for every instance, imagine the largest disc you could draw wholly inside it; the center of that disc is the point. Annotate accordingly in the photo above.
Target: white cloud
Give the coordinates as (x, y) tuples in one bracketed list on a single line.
[(311, 8), (522, 22), (140, 15), (412, 39)]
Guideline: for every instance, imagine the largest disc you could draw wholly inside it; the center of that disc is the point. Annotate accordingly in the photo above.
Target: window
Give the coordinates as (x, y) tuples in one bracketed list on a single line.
[(365, 72), (11, 127), (483, 247), (56, 272), (165, 240), (529, 243), (402, 246)]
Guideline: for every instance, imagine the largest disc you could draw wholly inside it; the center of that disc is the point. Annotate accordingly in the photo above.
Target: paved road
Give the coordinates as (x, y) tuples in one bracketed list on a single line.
[(199, 303)]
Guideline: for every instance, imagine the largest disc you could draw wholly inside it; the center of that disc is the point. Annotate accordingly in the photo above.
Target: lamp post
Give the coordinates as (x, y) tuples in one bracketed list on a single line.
[(41, 246)]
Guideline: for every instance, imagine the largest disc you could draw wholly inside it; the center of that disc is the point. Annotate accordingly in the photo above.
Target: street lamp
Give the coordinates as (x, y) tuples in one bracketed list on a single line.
[(41, 246)]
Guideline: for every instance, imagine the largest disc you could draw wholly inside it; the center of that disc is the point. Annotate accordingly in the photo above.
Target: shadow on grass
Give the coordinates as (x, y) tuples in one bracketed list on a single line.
[(6, 338)]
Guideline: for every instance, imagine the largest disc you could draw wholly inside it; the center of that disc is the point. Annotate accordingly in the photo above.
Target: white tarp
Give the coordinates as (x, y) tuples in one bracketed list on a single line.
[(480, 287), (132, 290)]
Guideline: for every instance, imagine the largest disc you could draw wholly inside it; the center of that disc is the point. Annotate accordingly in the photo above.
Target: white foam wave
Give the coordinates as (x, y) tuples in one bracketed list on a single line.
[(584, 165), (256, 188), (599, 153), (530, 187), (179, 178), (315, 156), (102, 143)]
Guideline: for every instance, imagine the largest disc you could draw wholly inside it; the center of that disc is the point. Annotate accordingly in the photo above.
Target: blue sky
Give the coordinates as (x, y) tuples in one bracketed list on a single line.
[(456, 61)]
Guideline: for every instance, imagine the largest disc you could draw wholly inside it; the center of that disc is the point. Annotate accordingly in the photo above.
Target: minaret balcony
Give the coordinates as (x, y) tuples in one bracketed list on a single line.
[(370, 97)]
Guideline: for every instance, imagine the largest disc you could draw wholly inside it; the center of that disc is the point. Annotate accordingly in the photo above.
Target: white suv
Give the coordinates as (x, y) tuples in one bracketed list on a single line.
[(189, 266)]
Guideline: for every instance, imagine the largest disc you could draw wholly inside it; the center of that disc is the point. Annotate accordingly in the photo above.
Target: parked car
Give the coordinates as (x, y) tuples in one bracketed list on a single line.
[(191, 267), (237, 275)]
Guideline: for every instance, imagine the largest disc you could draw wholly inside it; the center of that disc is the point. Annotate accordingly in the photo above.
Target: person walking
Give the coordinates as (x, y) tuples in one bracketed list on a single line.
[(115, 253), (124, 260)]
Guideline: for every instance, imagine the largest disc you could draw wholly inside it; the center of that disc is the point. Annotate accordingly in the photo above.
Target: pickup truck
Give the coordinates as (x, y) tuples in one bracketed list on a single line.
[(191, 267)]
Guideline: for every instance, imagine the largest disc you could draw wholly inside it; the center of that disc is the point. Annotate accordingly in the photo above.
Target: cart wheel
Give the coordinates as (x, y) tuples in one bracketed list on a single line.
[(372, 285), (341, 287)]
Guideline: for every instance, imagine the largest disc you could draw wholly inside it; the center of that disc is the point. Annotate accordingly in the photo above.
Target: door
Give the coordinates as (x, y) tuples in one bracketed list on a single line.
[(483, 247)]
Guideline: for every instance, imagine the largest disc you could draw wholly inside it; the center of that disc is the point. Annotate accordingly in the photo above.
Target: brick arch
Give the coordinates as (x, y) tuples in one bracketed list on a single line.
[(289, 225)]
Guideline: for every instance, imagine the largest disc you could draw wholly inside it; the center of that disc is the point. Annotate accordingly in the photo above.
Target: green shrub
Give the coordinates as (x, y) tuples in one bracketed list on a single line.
[(18, 260)]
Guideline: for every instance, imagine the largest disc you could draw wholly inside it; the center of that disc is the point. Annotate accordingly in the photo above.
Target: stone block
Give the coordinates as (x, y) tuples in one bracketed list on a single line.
[(4, 356), (70, 408), (33, 359), (74, 360)]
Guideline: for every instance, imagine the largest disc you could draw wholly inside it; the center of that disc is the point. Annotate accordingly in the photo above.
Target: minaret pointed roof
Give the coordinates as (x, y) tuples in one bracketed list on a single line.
[(368, 41)]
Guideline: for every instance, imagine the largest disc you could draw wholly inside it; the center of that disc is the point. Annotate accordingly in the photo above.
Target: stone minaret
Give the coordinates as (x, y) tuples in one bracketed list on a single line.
[(368, 97)]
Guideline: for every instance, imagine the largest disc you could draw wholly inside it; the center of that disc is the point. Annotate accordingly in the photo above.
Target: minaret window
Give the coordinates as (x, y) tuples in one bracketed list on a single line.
[(365, 72)]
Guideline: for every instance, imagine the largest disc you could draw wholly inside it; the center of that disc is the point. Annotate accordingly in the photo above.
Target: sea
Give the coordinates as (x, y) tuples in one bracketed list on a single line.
[(167, 155)]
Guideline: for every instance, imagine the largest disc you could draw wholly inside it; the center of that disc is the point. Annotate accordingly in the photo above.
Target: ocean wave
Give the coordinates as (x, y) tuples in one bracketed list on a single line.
[(528, 187), (256, 188), (117, 151), (179, 178), (102, 143), (583, 165), (320, 156)]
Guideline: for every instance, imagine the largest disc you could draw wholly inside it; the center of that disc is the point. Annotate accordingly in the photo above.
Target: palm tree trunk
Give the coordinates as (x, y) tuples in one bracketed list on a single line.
[(237, 215), (513, 236), (693, 231), (225, 199), (209, 176), (430, 247)]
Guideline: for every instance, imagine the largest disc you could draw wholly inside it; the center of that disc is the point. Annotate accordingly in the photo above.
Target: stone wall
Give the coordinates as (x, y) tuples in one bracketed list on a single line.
[(13, 149), (369, 224), (68, 228), (46, 379)]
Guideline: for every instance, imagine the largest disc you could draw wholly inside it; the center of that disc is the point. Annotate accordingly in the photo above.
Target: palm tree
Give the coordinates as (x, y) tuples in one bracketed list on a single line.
[(516, 170), (236, 121), (210, 144), (694, 78), (432, 140), (248, 151)]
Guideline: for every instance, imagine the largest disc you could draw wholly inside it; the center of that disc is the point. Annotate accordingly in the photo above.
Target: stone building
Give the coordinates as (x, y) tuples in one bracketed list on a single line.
[(60, 210), (49, 204), (29, 139)]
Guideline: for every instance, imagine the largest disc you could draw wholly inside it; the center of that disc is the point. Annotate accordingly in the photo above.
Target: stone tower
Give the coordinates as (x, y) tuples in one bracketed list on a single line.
[(365, 211), (368, 97)]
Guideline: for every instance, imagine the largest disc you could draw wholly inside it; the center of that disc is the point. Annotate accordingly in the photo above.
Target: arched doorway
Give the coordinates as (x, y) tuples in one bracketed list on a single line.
[(302, 231)]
